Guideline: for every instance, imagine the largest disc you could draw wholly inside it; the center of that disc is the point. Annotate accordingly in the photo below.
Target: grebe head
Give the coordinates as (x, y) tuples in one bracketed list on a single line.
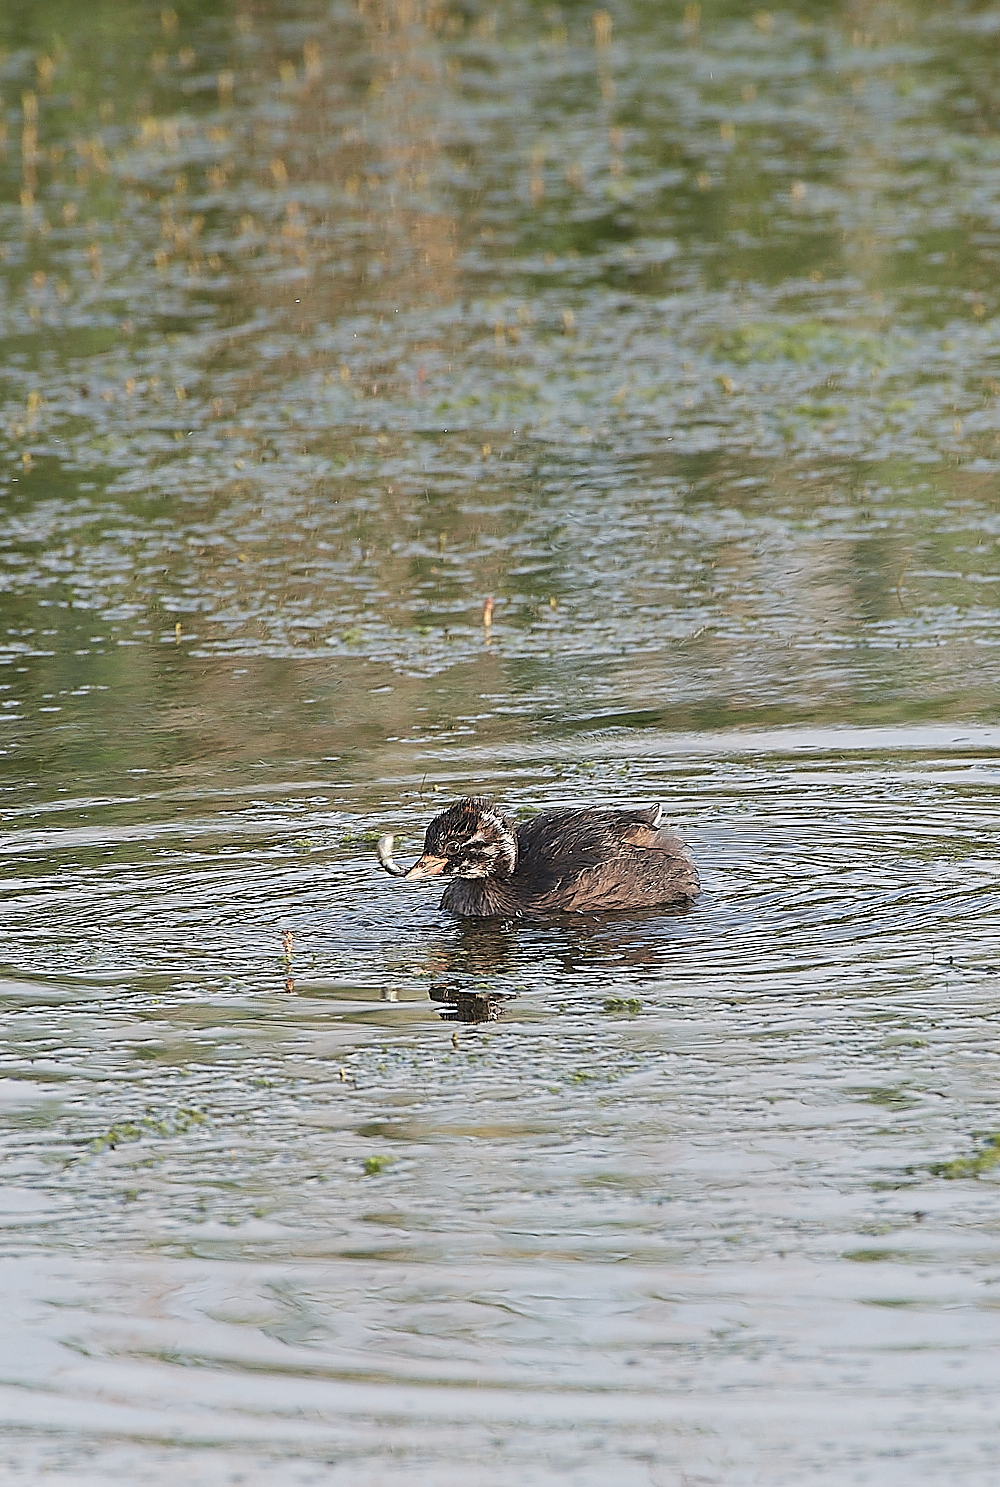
[(471, 839)]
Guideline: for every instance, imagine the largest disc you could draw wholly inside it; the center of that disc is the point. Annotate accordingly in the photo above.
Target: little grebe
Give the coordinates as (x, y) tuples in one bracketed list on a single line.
[(582, 861)]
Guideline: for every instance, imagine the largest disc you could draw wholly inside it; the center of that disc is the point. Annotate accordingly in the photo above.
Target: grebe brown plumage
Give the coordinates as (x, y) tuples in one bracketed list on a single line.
[(564, 861)]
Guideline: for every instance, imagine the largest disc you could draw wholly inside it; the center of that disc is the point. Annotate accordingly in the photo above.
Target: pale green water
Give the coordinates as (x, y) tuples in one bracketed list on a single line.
[(676, 332)]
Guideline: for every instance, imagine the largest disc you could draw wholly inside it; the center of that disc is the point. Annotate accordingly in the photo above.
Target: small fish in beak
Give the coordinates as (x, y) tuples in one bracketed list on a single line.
[(426, 867), (384, 854)]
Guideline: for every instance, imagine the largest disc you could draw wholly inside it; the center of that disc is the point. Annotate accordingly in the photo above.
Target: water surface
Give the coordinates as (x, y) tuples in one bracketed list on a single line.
[(674, 329)]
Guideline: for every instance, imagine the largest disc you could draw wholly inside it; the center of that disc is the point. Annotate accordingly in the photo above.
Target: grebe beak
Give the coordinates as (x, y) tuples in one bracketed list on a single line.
[(427, 867)]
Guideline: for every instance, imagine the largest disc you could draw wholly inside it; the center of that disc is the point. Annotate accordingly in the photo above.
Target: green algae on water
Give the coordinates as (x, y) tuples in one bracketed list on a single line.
[(983, 1161), (800, 341), (622, 1004), (176, 1124), (374, 1166)]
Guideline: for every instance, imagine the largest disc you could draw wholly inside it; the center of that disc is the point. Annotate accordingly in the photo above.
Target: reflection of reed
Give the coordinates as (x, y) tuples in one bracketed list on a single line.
[(360, 235), (345, 226), (377, 176), (409, 80), (29, 149)]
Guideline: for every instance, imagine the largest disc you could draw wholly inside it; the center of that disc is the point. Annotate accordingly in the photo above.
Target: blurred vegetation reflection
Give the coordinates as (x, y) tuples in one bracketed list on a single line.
[(672, 327)]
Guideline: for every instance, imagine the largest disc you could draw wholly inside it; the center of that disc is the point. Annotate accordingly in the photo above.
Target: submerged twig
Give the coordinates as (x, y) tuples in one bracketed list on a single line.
[(899, 581), (287, 942)]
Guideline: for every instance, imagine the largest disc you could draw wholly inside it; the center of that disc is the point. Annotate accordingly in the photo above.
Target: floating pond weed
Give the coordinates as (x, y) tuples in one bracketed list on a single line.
[(802, 341), (987, 1159), (174, 1123)]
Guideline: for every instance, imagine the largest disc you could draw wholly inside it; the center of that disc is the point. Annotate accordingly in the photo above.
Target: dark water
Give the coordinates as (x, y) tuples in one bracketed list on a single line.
[(675, 330)]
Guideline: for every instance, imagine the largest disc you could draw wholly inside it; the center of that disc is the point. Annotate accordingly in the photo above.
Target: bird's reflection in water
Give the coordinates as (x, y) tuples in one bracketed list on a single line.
[(641, 946), (462, 1004), (470, 961), (479, 963)]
